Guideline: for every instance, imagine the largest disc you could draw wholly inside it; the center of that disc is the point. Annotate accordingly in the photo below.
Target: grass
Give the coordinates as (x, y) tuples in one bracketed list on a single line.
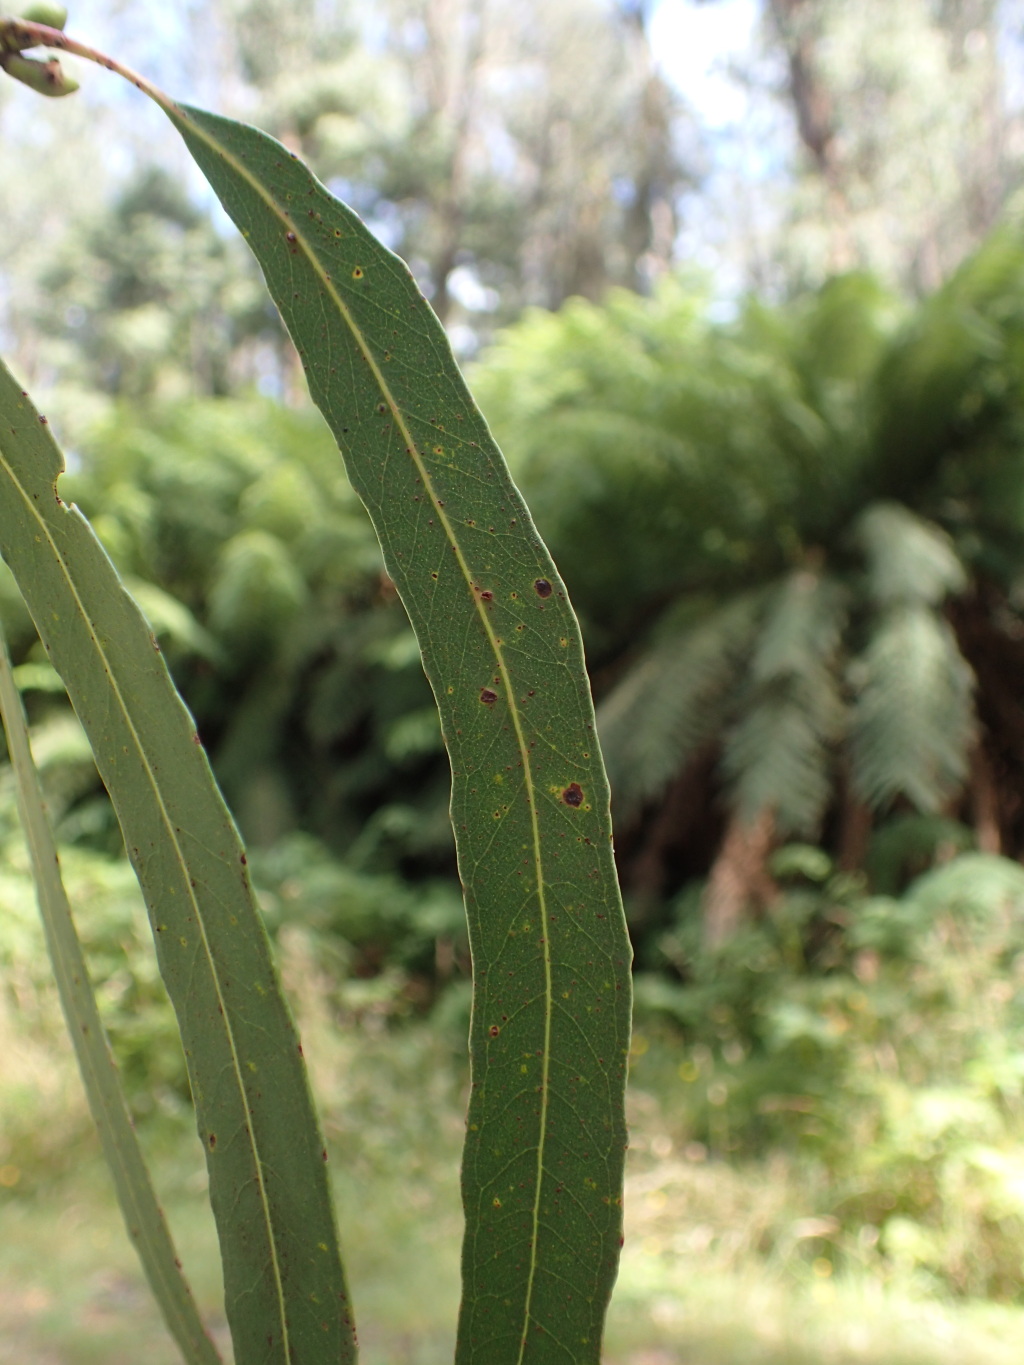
[(697, 1285), (725, 1263), (694, 1289)]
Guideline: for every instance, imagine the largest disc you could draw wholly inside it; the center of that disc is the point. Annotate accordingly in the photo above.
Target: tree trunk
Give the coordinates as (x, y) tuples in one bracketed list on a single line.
[(984, 802), (796, 23), (855, 821), (678, 825), (457, 105), (739, 882)]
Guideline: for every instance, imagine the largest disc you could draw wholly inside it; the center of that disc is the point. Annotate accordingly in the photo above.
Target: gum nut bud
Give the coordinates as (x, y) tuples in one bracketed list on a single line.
[(46, 78), (53, 16)]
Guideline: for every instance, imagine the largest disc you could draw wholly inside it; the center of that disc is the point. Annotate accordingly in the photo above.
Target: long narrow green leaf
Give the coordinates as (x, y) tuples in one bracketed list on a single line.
[(142, 1214), (285, 1292), (542, 1175)]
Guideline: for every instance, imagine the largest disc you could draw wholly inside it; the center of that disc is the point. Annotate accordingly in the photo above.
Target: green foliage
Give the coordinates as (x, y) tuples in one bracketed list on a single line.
[(254, 1112), (146, 298), (546, 1136), (912, 723), (502, 651), (673, 460), (296, 707), (142, 1213), (363, 923), (802, 509), (777, 754), (675, 700), (439, 135), (878, 1038)]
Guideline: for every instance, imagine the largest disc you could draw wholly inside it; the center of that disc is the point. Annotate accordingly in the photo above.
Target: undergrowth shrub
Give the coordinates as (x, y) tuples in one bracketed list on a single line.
[(877, 1040)]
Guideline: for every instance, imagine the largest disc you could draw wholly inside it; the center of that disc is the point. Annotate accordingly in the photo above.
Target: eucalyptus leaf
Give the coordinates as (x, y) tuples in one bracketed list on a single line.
[(542, 1175), (285, 1291)]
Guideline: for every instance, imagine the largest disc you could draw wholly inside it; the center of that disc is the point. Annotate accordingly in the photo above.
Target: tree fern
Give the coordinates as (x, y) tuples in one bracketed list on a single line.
[(913, 718), (778, 755), (907, 559), (676, 463), (674, 699)]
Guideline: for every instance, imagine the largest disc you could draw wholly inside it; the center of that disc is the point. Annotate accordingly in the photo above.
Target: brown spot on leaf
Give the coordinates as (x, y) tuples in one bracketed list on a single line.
[(488, 696), (573, 794), (494, 1030), (542, 587)]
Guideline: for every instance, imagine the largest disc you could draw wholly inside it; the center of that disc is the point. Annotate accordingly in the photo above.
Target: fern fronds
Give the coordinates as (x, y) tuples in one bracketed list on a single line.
[(907, 558), (913, 718), (779, 754), (674, 699)]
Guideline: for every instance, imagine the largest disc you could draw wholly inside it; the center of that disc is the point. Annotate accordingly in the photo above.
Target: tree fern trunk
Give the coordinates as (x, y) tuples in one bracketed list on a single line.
[(984, 797), (739, 884), (855, 821)]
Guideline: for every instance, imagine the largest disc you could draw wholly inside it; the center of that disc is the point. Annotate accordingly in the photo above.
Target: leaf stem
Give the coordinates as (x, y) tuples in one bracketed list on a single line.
[(18, 35)]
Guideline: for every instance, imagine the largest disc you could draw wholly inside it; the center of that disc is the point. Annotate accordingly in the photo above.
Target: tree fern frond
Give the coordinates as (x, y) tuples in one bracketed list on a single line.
[(801, 629), (908, 559), (779, 754), (673, 699), (935, 374), (913, 719)]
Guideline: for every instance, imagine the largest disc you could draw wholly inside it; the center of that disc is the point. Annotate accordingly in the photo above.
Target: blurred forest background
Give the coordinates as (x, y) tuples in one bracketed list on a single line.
[(740, 287)]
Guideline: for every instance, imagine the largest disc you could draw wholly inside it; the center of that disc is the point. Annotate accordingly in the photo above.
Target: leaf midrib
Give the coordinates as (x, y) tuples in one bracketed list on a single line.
[(183, 865), (412, 449)]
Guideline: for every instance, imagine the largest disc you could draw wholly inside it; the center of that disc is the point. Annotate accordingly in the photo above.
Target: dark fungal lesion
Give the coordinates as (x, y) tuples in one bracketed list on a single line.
[(573, 794), (542, 587)]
